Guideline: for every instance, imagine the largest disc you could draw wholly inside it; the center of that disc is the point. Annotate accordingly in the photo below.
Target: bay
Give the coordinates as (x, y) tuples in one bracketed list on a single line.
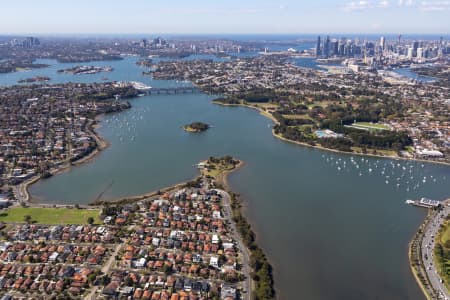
[(329, 232)]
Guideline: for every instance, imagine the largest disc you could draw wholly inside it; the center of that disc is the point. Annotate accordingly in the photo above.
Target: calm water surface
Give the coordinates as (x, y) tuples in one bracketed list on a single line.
[(409, 73), (334, 227)]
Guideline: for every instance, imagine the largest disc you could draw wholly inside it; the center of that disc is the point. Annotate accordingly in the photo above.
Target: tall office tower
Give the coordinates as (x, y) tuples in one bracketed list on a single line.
[(143, 43), (334, 47), (415, 46), (326, 47), (420, 52), (318, 52), (341, 47), (383, 43), (410, 52)]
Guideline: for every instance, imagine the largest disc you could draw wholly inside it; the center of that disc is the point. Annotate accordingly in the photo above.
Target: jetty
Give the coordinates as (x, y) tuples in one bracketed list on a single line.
[(425, 202)]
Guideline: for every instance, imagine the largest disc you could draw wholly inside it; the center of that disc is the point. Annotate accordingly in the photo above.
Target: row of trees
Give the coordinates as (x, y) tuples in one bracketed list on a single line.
[(262, 270)]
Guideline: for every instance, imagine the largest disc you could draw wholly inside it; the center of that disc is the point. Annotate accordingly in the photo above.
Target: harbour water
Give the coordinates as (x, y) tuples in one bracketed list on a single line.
[(332, 230), (409, 73)]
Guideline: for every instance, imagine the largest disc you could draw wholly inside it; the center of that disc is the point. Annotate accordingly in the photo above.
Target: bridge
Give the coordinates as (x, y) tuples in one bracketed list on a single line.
[(148, 90), (175, 90)]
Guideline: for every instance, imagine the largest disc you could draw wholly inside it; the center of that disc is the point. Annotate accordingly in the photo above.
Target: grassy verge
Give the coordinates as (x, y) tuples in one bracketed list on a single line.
[(415, 260), (49, 215), (442, 252), (262, 270)]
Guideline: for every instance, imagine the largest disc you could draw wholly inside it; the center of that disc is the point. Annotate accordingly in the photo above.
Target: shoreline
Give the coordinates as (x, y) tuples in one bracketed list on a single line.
[(101, 144), (415, 241), (221, 180), (221, 184), (416, 263), (272, 118)]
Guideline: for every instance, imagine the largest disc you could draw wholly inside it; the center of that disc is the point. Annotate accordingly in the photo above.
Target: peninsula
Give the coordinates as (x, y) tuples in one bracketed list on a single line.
[(190, 240), (77, 70), (35, 79), (16, 65)]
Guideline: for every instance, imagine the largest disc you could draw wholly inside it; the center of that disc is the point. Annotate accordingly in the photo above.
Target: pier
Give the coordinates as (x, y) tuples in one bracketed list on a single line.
[(424, 202)]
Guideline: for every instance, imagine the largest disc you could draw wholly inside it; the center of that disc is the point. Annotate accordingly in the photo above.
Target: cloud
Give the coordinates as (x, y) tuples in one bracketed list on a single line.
[(357, 6), (423, 6), (384, 4), (434, 6), (365, 5), (407, 3)]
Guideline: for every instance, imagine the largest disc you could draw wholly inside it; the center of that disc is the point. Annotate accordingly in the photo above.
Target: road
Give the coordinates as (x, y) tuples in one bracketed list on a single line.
[(428, 253), (228, 214), (105, 270), (20, 192)]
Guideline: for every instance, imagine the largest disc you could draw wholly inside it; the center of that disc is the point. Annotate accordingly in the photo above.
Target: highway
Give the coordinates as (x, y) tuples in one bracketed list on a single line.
[(428, 253)]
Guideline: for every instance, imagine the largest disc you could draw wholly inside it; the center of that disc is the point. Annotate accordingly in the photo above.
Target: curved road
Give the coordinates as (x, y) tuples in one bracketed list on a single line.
[(228, 214), (428, 244)]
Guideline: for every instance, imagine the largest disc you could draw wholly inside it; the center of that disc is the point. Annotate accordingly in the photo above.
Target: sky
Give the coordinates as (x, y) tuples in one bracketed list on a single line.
[(224, 16)]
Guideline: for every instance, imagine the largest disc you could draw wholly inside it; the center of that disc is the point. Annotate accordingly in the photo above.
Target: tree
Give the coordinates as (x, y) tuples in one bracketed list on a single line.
[(27, 219), (90, 220), (167, 269), (128, 281)]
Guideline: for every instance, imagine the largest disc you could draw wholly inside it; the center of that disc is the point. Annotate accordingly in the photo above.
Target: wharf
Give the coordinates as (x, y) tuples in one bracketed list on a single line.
[(425, 202)]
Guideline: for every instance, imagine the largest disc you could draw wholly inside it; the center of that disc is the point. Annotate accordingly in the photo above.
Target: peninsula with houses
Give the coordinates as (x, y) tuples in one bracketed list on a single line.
[(189, 241)]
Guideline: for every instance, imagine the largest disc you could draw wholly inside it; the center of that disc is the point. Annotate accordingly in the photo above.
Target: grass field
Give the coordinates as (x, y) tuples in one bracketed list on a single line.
[(50, 215), (217, 169), (445, 235), (370, 126)]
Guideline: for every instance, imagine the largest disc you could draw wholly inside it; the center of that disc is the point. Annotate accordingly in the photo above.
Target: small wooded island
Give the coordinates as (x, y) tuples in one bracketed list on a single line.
[(196, 127)]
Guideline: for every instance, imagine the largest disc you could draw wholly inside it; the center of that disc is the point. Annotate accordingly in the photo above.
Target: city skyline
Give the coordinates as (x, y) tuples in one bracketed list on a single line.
[(232, 17)]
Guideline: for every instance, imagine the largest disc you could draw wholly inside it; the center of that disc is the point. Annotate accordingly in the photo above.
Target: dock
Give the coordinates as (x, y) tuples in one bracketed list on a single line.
[(425, 202)]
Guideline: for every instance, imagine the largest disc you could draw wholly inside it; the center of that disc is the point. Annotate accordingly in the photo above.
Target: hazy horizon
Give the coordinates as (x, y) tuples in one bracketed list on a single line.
[(232, 17)]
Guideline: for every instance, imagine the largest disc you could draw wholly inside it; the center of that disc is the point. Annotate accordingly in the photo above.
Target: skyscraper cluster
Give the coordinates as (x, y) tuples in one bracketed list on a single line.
[(354, 48)]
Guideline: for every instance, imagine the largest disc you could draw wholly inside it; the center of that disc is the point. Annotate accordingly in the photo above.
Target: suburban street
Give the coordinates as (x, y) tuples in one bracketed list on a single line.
[(242, 248), (427, 252), (105, 270)]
